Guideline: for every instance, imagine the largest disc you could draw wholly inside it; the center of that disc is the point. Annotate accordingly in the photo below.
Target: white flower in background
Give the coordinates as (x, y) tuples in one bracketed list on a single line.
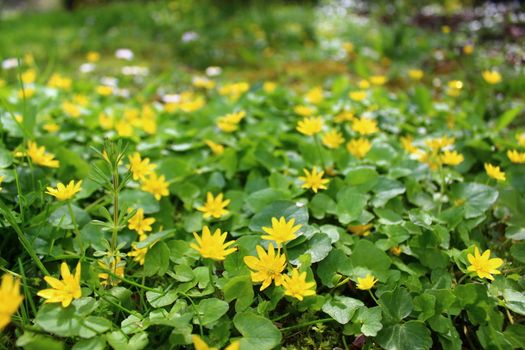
[(87, 68), (174, 98), (109, 81), (189, 36), (124, 54), (10, 63), (135, 70), (213, 71)]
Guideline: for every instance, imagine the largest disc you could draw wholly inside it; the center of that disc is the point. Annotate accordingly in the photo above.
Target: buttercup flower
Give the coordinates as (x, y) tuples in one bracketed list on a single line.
[(139, 223), (140, 168), (314, 180), (310, 126), (92, 56), (315, 95), (440, 142), (363, 84), (415, 74), (360, 230), (11, 298), (364, 126), (214, 206), (216, 148), (494, 172), (304, 111), (357, 96), (281, 231), (212, 246), (39, 156), (139, 254), (366, 283), (296, 285), (267, 267), (359, 147), (378, 79), (269, 87), (156, 185), (521, 139), (62, 291), (62, 192), (344, 116), (491, 76), (407, 143), (468, 49), (200, 344), (451, 158), (333, 139), (116, 267), (516, 157), (454, 88), (1, 180), (482, 265)]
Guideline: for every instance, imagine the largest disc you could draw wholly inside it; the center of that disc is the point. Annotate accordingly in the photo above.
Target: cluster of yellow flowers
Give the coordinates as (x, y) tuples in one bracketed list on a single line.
[(230, 122), (234, 90), (438, 151), (144, 171), (188, 102)]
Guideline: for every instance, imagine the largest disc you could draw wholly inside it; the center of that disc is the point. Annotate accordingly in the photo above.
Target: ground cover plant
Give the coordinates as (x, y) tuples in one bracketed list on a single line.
[(345, 179)]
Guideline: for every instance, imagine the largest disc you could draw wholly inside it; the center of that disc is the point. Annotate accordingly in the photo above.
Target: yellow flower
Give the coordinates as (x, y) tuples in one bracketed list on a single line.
[(139, 254), (105, 121), (200, 344), (315, 95), (516, 157), (304, 111), (234, 90), (62, 192), (296, 285), (440, 142), (27, 92), (364, 126), (124, 128), (406, 142), (62, 291), (491, 76), (521, 139), (139, 223), (468, 49), (212, 246), (366, 283), (116, 267), (39, 156), (11, 299), (230, 122), (359, 147), (216, 148), (104, 90), (92, 56), (445, 29), (1, 180), (51, 127), (59, 82), (267, 267), (140, 168), (310, 126), (396, 250), (358, 96), (281, 231), (156, 185), (203, 82), (29, 76), (482, 265), (451, 158), (363, 84), (269, 87), (415, 74), (348, 47), (214, 206), (454, 88), (378, 80), (314, 180), (333, 139), (71, 109), (495, 172), (360, 230), (344, 116)]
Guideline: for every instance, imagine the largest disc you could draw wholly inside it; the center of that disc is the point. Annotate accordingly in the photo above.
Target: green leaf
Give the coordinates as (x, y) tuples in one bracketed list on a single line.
[(161, 298), (6, 159), (350, 205), (259, 333), (411, 335), (515, 301), (256, 201), (396, 304), (210, 310), (157, 260), (137, 199), (366, 254), (507, 117), (477, 198), (61, 218), (318, 247), (342, 308), (119, 341), (96, 343), (33, 341), (239, 288), (286, 209)]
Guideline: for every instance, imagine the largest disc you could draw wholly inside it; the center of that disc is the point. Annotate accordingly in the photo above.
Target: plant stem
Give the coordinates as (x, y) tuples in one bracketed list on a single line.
[(373, 296), (75, 226), (305, 324), (319, 150)]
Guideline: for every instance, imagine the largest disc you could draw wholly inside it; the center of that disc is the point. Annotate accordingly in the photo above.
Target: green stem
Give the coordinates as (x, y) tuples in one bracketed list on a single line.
[(319, 150), (305, 324), (75, 226), (373, 296)]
